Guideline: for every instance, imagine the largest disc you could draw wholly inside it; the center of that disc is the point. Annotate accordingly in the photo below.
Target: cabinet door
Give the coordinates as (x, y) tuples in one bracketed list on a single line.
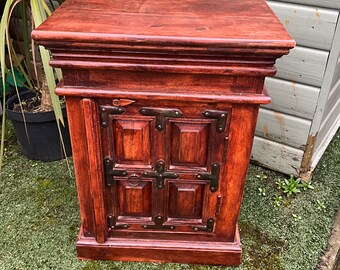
[(128, 151), (162, 166), (195, 146)]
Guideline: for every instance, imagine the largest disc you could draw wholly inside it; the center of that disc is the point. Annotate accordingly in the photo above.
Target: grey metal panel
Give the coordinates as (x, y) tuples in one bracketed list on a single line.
[(335, 4), (292, 98), (283, 128), (276, 156), (310, 26), (303, 65)]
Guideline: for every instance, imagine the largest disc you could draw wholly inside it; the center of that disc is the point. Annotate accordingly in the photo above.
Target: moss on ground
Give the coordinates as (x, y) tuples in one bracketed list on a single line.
[(39, 218)]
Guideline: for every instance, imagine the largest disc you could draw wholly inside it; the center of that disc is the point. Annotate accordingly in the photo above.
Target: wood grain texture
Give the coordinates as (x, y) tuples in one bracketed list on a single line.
[(176, 23), (167, 95), (141, 249), (132, 141), (235, 170), (189, 144), (90, 113), (80, 158)]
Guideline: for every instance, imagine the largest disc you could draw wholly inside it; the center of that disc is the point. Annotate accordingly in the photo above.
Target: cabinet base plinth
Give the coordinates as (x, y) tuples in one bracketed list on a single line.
[(155, 250)]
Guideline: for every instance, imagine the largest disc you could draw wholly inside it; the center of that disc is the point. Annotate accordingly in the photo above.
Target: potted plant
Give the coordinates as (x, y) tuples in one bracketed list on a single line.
[(36, 113)]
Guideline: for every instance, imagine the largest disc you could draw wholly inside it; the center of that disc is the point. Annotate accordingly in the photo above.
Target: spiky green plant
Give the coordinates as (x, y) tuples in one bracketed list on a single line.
[(39, 11)]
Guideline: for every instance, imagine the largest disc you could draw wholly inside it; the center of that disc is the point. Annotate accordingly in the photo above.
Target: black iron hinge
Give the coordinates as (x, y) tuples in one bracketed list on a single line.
[(207, 228), (160, 174), (112, 223), (212, 177), (220, 116), (110, 173), (106, 110), (158, 220), (160, 114)]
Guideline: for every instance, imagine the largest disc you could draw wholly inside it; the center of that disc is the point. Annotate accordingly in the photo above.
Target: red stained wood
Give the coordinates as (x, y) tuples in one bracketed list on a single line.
[(133, 141), (202, 23), (171, 187), (140, 193), (189, 144), (162, 250), (185, 200), (90, 112)]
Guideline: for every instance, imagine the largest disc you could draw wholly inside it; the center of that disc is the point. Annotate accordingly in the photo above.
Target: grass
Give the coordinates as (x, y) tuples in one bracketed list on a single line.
[(39, 218)]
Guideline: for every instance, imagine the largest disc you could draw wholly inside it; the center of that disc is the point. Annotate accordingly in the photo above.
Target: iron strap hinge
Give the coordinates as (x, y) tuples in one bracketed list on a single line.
[(207, 228), (212, 177), (106, 110), (110, 173), (220, 116), (158, 220), (112, 223), (160, 114), (160, 174)]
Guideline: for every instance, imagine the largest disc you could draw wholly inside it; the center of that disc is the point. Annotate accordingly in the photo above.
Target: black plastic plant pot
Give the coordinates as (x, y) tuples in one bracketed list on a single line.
[(41, 141)]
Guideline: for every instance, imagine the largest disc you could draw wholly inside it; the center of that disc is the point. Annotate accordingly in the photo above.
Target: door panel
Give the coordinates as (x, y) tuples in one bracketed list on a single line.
[(134, 198), (133, 139), (189, 144), (185, 200), (161, 174)]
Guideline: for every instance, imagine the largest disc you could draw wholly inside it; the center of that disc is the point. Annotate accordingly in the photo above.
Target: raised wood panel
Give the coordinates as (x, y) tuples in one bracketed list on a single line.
[(335, 4), (134, 198), (185, 200), (189, 144), (133, 141), (277, 156), (303, 65), (310, 26), (292, 98), (283, 128)]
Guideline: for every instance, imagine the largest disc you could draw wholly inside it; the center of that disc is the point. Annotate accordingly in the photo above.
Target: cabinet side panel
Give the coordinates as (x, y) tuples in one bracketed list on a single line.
[(91, 119), (242, 128), (79, 151)]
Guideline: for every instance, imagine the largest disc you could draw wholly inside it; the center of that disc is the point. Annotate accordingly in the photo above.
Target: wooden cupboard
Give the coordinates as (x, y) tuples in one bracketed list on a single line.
[(162, 99)]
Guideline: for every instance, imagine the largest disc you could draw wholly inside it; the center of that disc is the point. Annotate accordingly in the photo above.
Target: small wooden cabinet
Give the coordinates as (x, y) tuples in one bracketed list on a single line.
[(162, 100)]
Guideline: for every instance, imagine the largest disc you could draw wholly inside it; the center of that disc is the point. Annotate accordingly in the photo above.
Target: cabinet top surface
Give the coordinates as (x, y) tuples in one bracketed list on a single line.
[(218, 23)]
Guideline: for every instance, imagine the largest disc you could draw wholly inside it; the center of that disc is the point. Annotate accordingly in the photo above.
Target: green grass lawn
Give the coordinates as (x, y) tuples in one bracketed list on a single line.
[(39, 218)]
